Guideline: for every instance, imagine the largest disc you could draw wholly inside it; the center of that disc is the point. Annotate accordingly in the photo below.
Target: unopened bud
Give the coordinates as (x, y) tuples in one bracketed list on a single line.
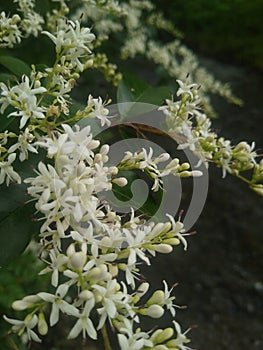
[(156, 298), (77, 260), (42, 324), (184, 166), (120, 181), (104, 149), (172, 241), (20, 305), (154, 311), (155, 335), (196, 173), (113, 270), (185, 173), (161, 347), (71, 250), (85, 295), (258, 189), (26, 303), (163, 248), (142, 289), (94, 144), (166, 334)]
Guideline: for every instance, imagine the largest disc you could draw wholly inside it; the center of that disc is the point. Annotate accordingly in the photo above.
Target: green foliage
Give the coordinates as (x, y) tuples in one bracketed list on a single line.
[(15, 65), (133, 89), (20, 277), (222, 27)]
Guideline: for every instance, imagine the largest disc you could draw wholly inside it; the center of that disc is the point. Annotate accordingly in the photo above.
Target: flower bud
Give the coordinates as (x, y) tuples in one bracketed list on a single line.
[(113, 270), (258, 189), (196, 173), (42, 324), (154, 311), (172, 241), (15, 18), (185, 166), (104, 149), (71, 250), (120, 181), (166, 334), (26, 303), (142, 289), (161, 347), (156, 298), (163, 248), (77, 260), (94, 144), (20, 305), (185, 173), (85, 295)]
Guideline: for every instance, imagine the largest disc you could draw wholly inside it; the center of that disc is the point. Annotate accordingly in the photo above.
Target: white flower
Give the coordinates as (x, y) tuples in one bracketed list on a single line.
[(32, 23), (186, 89), (46, 182), (178, 229), (134, 240), (25, 326), (84, 323), (73, 40), (23, 98), (168, 299), (181, 339), (58, 304), (7, 172), (112, 299), (133, 340), (24, 145), (57, 262), (98, 110)]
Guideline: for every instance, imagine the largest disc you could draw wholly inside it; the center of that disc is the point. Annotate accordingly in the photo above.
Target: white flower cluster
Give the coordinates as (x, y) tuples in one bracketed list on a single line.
[(10, 33), (146, 163), (91, 247), (72, 43), (192, 129), (13, 29), (23, 97), (139, 20)]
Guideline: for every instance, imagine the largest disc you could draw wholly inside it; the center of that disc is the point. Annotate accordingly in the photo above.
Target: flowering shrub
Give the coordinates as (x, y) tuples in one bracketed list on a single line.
[(55, 156)]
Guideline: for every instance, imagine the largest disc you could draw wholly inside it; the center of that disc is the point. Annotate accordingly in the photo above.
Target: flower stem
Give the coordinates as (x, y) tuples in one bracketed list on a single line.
[(106, 338), (12, 343)]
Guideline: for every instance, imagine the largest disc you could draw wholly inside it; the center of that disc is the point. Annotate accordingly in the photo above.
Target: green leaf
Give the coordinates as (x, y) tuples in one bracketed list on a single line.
[(15, 65), (5, 77), (144, 206), (16, 230), (16, 214), (136, 97), (9, 123), (130, 88)]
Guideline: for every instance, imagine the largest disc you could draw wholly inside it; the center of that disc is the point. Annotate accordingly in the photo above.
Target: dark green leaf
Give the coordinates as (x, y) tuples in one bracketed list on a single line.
[(5, 77), (16, 230), (146, 206), (16, 214), (15, 65), (135, 97)]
